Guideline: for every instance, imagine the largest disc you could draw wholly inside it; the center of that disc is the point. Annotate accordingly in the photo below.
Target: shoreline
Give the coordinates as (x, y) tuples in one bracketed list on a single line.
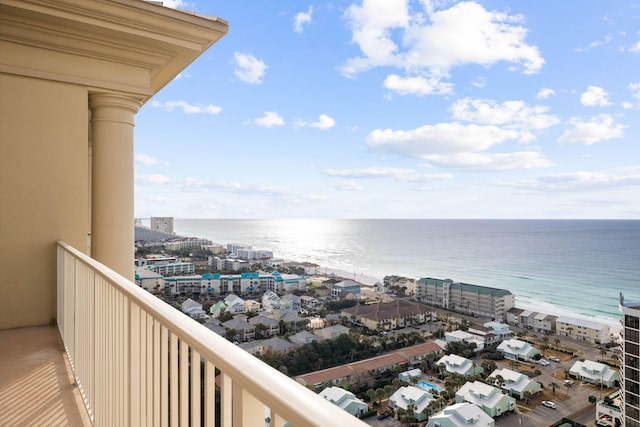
[(537, 306)]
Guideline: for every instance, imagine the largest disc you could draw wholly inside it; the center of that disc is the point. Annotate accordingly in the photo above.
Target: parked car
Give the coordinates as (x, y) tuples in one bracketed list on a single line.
[(554, 359), (549, 404), (383, 416), (542, 362), (568, 382)]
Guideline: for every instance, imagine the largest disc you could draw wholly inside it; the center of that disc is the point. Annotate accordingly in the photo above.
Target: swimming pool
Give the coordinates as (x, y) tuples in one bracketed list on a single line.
[(428, 386)]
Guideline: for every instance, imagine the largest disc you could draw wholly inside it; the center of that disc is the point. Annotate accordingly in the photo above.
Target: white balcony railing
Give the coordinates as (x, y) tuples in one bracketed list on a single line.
[(139, 361)]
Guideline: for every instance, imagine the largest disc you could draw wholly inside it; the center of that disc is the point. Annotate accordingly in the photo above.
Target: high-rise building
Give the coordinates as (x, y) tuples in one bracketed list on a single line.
[(162, 223), (630, 362)]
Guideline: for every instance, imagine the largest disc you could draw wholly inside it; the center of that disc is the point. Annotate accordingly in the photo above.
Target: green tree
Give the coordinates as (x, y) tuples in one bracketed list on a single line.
[(553, 384), (371, 394), (527, 396)]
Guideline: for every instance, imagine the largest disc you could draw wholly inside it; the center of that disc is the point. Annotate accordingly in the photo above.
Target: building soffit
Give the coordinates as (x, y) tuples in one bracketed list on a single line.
[(128, 46)]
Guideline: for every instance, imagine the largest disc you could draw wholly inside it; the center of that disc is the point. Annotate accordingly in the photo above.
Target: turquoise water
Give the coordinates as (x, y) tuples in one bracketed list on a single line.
[(428, 386), (566, 267)]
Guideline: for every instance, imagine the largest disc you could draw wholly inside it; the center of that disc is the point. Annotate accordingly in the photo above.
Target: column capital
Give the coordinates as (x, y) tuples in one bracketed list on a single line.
[(113, 107)]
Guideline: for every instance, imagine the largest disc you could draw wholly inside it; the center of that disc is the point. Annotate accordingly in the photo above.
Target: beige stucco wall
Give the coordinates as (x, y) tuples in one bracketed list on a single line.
[(43, 191)]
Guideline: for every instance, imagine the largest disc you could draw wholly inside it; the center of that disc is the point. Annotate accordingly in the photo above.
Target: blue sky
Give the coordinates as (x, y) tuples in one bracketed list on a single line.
[(400, 109)]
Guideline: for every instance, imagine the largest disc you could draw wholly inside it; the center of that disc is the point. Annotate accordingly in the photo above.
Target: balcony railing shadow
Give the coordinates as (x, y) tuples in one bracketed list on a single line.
[(138, 361), (36, 383)]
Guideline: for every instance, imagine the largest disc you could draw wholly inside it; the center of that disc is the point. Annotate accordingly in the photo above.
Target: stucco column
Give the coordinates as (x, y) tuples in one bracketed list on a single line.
[(112, 214)]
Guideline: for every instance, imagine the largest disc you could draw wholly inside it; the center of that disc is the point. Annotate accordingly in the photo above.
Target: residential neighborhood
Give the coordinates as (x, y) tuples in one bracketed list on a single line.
[(394, 354)]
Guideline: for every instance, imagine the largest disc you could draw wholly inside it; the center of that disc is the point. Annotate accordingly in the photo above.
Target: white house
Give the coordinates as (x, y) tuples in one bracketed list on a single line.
[(514, 383), (486, 397), (461, 415), (501, 330), (462, 336), (235, 304), (408, 375), (345, 400), (517, 350), (271, 301), (459, 365), (193, 309), (410, 395), (595, 373)]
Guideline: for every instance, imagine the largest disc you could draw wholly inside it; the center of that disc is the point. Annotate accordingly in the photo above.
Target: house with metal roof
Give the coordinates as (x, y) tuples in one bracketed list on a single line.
[(409, 395), (514, 383), (345, 400), (517, 350), (462, 414), (486, 397), (459, 365), (595, 373)]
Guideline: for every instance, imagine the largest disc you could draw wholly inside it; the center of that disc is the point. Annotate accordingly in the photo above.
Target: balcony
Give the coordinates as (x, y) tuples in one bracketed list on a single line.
[(138, 361)]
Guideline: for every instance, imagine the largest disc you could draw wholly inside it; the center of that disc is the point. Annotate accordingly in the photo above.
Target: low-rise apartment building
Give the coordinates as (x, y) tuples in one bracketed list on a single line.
[(583, 330), (465, 298)]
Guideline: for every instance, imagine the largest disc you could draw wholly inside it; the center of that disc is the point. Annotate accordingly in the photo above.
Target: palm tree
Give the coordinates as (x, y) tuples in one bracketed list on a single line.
[(603, 353), (527, 396), (553, 384), (557, 342), (570, 330), (537, 373)]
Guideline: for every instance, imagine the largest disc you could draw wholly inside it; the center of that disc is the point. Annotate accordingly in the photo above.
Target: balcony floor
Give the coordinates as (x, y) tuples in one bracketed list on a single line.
[(36, 383)]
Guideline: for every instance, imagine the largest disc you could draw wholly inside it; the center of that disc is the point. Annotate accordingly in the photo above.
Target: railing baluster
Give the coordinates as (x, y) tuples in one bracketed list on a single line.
[(184, 383), (164, 377), (148, 362), (156, 373), (174, 397), (209, 394), (195, 388), (226, 408), (134, 365)]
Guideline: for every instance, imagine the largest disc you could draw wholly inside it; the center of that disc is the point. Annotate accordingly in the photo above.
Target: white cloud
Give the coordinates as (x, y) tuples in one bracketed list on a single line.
[(599, 128), (324, 122), (347, 186), (153, 179), (438, 139), (635, 90), (147, 160), (417, 85), (512, 114), (595, 96), (545, 93), (435, 41), (396, 174), (187, 108), (249, 68), (604, 41), (175, 4), (635, 48), (587, 180), (301, 19), (490, 161), (270, 119)]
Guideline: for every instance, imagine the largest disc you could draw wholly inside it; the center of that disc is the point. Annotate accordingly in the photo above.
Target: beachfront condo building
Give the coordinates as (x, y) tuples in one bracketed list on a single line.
[(468, 299), (163, 224), (73, 75), (630, 362)]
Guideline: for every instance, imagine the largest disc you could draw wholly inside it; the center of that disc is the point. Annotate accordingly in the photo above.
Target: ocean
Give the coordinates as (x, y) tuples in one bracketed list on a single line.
[(565, 267)]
